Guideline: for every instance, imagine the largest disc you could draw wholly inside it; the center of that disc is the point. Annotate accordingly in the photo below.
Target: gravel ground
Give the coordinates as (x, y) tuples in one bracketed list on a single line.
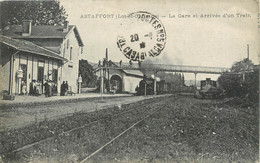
[(17, 116), (186, 130), (189, 130), (59, 139)]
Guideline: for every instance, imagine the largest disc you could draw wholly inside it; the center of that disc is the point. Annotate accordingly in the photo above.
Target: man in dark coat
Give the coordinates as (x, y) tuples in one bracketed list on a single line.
[(31, 89), (47, 89), (34, 87), (66, 86), (62, 89)]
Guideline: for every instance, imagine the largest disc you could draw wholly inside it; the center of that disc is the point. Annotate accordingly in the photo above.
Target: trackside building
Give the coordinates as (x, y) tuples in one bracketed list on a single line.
[(39, 53)]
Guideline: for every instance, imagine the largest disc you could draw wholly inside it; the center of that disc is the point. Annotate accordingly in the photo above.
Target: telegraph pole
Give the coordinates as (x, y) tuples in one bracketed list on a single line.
[(108, 76)]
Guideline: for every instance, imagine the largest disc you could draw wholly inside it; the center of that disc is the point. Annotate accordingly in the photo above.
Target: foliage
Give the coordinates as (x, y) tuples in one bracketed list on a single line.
[(242, 65), (106, 84), (231, 84), (89, 79), (251, 86), (241, 82), (40, 12)]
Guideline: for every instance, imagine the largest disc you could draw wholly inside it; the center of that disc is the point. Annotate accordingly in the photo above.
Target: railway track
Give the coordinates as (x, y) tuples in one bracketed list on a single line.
[(115, 138), (124, 112), (115, 145), (121, 123)]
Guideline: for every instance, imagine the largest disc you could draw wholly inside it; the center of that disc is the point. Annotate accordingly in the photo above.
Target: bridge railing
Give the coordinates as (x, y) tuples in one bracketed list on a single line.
[(187, 68), (177, 68)]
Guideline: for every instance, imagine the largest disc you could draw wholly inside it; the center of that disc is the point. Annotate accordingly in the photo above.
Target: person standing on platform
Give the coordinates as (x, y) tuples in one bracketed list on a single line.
[(39, 87), (34, 87), (66, 86), (62, 89), (46, 86), (31, 89), (50, 88)]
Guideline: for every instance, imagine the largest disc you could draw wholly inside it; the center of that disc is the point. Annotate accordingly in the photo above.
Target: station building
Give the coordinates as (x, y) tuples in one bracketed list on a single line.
[(39, 53), (124, 81)]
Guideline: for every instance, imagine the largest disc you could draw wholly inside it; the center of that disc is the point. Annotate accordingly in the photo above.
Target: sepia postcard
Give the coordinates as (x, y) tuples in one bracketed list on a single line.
[(129, 81)]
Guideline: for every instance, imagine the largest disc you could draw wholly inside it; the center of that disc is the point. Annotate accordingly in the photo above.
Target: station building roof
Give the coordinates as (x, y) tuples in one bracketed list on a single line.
[(29, 47), (42, 31)]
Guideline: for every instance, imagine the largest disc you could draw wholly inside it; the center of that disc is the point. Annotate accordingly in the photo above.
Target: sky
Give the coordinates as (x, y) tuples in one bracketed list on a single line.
[(194, 41)]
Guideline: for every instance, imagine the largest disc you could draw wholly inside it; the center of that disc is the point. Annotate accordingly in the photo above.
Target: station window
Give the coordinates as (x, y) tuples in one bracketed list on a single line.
[(68, 43), (24, 68), (71, 53), (55, 75)]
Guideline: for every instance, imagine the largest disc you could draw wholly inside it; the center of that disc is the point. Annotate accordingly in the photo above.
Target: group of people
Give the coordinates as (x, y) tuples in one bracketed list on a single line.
[(35, 88), (50, 88), (64, 88), (105, 63), (109, 63)]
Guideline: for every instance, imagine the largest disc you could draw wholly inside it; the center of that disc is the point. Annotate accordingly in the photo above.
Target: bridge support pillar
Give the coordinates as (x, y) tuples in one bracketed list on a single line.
[(195, 84)]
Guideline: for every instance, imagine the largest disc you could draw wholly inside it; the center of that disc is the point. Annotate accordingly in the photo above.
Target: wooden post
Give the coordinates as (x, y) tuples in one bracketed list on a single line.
[(145, 89), (108, 76), (11, 75)]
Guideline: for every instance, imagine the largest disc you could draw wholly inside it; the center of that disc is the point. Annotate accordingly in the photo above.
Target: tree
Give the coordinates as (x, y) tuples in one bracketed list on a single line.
[(106, 84), (242, 66), (40, 12), (241, 82), (231, 84), (89, 79)]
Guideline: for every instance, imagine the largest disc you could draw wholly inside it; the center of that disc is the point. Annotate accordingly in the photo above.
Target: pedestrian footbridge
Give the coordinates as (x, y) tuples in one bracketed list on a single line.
[(170, 68)]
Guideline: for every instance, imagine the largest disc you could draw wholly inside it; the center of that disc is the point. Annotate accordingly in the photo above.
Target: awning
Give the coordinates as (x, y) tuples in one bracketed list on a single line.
[(27, 46)]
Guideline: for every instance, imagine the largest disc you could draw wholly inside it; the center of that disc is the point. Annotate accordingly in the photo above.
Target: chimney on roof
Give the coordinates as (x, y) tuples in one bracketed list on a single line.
[(66, 26), (27, 27)]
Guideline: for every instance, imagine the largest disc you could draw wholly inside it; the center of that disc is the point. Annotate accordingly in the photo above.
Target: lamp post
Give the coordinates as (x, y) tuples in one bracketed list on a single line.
[(19, 76), (154, 83), (145, 88), (80, 81)]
